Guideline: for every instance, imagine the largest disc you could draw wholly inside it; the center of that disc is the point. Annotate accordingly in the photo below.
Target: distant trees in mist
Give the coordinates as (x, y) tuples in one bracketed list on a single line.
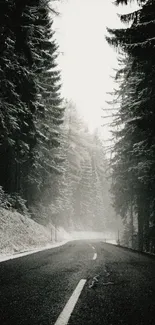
[(85, 190)]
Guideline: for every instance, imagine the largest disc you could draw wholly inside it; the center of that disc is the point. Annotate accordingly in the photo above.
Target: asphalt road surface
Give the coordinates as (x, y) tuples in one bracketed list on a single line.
[(80, 283)]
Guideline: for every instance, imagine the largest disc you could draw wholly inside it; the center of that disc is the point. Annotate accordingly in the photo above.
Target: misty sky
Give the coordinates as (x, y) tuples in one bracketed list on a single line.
[(87, 61)]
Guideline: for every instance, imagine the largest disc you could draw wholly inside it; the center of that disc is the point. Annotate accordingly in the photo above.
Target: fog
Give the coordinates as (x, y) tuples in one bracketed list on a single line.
[(107, 237)]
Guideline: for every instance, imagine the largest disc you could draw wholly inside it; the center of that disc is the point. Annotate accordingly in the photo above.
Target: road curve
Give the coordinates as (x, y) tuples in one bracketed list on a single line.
[(118, 286)]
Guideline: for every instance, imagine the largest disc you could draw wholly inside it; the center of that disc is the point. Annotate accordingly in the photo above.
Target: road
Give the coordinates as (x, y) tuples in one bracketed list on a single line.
[(118, 286)]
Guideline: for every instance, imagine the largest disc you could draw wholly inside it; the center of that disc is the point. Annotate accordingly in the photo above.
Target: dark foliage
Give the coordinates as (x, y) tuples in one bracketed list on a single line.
[(31, 105), (133, 164)]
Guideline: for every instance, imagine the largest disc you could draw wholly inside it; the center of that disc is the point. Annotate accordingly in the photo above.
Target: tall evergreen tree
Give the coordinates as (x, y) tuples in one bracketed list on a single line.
[(31, 104), (50, 111), (18, 93), (133, 164)]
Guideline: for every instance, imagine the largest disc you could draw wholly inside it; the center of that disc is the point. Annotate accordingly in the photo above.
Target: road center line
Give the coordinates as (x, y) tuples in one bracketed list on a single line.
[(66, 313), (93, 247), (95, 256)]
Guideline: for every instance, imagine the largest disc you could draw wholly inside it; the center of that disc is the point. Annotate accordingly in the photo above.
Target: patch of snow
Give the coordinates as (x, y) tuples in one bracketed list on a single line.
[(20, 235), (111, 241), (16, 255)]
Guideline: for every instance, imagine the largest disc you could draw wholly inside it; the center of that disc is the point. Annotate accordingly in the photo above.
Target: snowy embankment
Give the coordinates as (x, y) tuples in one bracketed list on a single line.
[(19, 233)]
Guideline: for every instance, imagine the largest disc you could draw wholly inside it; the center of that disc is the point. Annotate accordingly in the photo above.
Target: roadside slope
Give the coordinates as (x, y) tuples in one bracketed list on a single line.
[(19, 233)]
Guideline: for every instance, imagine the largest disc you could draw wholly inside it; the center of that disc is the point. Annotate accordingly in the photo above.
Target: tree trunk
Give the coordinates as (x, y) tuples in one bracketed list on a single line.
[(147, 239), (131, 220), (140, 230), (146, 227)]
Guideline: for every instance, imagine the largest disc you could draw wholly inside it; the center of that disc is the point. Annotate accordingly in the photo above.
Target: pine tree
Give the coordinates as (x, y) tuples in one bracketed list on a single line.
[(134, 183), (18, 94), (31, 104), (44, 178)]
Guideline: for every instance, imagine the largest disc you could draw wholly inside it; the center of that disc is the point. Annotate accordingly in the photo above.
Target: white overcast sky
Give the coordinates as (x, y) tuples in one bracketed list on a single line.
[(87, 60)]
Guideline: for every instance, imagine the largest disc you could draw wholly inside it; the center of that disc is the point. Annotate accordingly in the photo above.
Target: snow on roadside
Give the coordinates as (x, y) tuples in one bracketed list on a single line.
[(20, 235), (32, 251)]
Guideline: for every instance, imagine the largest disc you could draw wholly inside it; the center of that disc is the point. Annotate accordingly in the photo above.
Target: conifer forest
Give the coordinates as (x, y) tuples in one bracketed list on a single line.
[(52, 167)]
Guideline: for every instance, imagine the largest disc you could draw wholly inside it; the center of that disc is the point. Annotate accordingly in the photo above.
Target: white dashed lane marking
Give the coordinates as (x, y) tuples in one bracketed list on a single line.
[(95, 256), (68, 309), (65, 315)]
